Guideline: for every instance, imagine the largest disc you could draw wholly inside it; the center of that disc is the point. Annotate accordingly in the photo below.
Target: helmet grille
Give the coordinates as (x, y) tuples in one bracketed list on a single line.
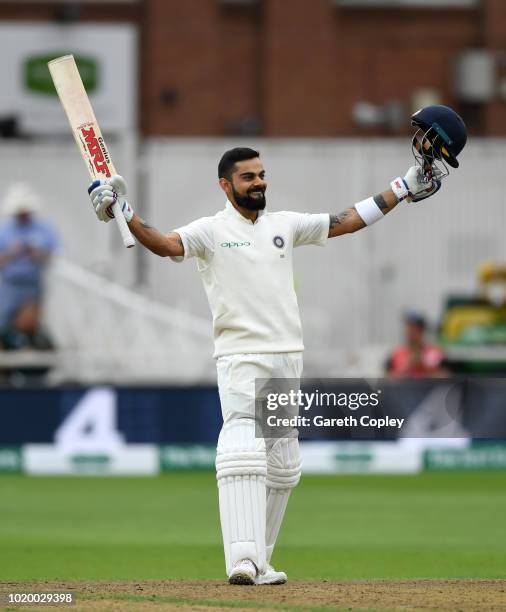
[(427, 147)]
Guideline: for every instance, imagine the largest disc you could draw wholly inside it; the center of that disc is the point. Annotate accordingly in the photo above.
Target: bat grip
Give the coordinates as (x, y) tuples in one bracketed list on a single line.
[(128, 239)]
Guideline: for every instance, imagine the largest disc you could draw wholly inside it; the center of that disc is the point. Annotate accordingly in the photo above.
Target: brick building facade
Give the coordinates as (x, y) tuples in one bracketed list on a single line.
[(294, 67)]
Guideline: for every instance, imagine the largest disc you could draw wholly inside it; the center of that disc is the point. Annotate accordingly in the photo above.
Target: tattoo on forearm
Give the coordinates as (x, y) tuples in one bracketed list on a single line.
[(380, 202), (146, 225), (338, 219)]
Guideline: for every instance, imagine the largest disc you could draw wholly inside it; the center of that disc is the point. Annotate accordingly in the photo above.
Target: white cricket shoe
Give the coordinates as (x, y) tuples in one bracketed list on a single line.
[(271, 576), (243, 572)]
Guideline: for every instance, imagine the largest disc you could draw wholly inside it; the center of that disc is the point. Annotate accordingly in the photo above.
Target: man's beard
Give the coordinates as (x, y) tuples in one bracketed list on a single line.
[(257, 203)]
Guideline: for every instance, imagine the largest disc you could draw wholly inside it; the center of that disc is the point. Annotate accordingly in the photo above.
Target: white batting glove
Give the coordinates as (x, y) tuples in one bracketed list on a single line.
[(104, 193), (415, 185)]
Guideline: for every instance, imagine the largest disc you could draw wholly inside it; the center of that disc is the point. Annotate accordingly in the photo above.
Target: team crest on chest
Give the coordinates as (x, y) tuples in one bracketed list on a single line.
[(278, 241)]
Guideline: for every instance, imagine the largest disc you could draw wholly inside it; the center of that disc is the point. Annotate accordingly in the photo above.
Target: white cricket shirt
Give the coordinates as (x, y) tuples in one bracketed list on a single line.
[(247, 271)]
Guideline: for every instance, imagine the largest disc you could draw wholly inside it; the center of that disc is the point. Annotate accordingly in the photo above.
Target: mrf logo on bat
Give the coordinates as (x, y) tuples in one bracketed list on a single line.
[(96, 151)]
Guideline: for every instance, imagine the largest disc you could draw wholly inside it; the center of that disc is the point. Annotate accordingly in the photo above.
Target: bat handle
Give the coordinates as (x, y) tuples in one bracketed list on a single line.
[(128, 239)]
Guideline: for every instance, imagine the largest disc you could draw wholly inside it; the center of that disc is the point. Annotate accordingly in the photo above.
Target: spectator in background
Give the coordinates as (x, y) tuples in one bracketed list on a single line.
[(25, 333), (416, 358), (26, 245)]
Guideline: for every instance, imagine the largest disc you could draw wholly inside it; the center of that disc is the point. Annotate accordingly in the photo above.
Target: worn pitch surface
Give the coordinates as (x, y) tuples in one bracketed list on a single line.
[(465, 595)]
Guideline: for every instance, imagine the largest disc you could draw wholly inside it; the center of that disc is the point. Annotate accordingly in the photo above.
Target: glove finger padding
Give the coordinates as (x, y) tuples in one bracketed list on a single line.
[(126, 209), (92, 186), (415, 181), (99, 189), (106, 214), (104, 194), (104, 199), (419, 186), (426, 193), (118, 184)]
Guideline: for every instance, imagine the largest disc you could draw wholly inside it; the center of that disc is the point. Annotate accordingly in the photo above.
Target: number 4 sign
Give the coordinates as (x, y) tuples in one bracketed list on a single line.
[(92, 424)]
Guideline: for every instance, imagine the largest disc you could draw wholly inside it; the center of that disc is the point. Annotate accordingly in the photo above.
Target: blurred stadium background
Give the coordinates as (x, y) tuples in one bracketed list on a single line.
[(325, 90)]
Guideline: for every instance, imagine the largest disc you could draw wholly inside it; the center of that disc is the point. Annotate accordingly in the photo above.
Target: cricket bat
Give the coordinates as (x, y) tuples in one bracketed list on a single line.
[(84, 126)]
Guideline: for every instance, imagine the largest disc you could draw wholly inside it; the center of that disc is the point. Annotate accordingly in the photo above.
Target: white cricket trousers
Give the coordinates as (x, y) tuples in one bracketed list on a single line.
[(255, 476)]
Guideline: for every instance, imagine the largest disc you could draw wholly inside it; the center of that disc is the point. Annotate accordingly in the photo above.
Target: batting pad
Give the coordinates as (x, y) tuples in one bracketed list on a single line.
[(241, 469), (283, 474)]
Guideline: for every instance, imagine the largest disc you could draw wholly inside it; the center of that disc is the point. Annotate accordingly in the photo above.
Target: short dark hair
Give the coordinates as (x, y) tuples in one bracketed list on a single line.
[(230, 158), (415, 318)]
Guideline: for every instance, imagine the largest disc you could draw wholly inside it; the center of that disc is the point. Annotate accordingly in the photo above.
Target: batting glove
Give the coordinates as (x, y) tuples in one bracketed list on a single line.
[(415, 185), (104, 193)]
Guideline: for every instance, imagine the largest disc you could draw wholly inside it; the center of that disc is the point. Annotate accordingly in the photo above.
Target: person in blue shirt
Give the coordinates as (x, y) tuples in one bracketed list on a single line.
[(26, 246)]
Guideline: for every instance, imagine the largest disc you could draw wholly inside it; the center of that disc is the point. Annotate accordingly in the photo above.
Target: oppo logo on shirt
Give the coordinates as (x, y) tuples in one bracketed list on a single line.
[(234, 245)]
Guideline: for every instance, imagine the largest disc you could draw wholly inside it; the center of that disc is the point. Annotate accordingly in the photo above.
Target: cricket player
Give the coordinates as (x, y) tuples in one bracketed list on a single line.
[(244, 256)]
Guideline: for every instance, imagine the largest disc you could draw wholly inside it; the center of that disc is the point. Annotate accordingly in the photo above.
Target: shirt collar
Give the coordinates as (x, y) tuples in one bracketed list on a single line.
[(231, 209)]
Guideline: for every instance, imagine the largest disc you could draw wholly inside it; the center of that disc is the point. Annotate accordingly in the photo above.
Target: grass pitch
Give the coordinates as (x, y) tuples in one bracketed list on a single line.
[(435, 526), (383, 543)]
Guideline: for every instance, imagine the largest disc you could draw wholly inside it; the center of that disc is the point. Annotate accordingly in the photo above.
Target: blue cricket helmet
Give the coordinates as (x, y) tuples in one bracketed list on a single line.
[(444, 129)]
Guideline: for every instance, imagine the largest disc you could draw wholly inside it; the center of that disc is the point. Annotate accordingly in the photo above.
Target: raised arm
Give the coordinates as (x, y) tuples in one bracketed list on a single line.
[(165, 245), (104, 193), (350, 221), (412, 188)]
